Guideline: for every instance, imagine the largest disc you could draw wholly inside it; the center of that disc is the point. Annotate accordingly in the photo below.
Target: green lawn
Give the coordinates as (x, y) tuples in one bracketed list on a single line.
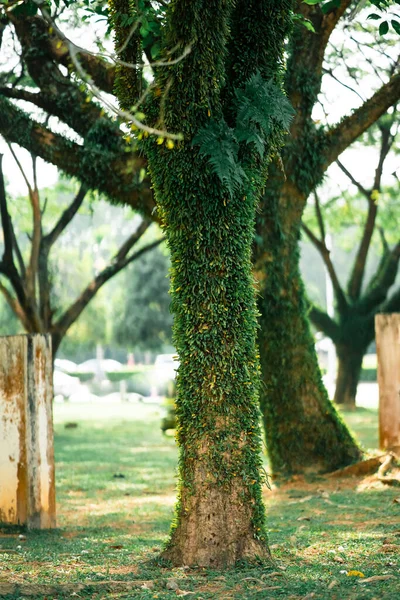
[(115, 492)]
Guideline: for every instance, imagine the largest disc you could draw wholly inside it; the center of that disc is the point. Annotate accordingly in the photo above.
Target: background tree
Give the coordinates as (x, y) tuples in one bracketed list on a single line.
[(302, 427), (144, 319), (26, 277), (352, 329)]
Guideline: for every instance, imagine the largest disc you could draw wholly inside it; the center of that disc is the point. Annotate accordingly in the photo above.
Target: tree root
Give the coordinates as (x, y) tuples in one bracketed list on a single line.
[(363, 467), (383, 463), (385, 467)]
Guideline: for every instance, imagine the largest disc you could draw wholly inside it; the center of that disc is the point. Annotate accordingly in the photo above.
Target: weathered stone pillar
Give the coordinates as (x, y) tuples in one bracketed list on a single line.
[(27, 491), (387, 332)]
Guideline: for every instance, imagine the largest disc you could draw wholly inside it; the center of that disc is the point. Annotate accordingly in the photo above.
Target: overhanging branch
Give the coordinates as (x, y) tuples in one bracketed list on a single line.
[(351, 127)]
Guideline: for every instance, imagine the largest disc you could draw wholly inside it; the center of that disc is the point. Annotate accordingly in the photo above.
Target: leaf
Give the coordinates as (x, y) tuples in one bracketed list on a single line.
[(383, 28), (396, 26), (374, 17), (355, 574), (312, 2), (330, 6), (308, 25)]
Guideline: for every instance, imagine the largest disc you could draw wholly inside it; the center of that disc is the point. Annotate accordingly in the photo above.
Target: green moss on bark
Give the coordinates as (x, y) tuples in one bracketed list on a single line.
[(209, 223)]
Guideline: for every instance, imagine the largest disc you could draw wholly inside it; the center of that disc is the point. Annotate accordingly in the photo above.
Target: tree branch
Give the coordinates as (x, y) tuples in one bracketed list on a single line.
[(354, 181), (323, 322), (351, 127), (120, 174), (322, 248), (358, 271), (66, 218), (392, 304), (320, 219), (382, 282), (75, 310), (16, 308), (5, 221)]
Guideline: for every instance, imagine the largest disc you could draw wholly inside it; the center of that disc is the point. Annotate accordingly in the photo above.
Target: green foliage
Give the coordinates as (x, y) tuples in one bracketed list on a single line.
[(261, 111), (218, 143)]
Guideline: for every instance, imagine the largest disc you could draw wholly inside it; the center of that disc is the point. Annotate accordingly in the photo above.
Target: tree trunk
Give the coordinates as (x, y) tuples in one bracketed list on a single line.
[(303, 431), (349, 370), (220, 517)]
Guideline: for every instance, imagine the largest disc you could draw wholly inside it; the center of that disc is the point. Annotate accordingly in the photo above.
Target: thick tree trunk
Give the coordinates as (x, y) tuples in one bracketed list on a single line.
[(349, 370), (303, 430), (220, 517)]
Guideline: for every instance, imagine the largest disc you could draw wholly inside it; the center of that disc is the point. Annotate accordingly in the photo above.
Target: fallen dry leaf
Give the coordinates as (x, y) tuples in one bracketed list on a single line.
[(338, 559), (332, 584)]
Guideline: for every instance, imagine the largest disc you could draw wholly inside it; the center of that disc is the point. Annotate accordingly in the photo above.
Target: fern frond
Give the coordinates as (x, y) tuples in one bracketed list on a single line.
[(261, 107), (218, 143)]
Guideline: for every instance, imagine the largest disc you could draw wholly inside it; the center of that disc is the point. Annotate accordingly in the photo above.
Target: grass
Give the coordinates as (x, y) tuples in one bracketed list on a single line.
[(115, 491)]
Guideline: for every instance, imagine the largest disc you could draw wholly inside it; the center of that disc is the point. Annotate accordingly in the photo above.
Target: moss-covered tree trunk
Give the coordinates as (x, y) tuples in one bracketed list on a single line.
[(206, 196), (303, 431)]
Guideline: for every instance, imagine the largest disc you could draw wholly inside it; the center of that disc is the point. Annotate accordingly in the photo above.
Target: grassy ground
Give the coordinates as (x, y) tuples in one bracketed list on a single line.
[(115, 490)]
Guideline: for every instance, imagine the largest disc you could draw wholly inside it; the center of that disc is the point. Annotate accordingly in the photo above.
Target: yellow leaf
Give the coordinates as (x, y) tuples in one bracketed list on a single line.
[(170, 144), (355, 574), (160, 140)]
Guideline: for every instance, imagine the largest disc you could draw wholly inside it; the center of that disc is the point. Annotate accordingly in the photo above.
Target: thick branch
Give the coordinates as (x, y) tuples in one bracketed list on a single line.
[(323, 322), (119, 176), (5, 221), (382, 282), (350, 128), (60, 95), (68, 105), (16, 308), (101, 71), (392, 304), (75, 310)]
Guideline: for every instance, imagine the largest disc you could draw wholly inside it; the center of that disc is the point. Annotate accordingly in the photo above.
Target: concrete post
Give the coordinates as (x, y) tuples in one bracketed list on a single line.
[(387, 332), (27, 486)]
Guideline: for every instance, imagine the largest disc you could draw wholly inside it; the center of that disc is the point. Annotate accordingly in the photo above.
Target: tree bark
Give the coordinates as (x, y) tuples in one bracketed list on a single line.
[(303, 431), (349, 370), (209, 223)]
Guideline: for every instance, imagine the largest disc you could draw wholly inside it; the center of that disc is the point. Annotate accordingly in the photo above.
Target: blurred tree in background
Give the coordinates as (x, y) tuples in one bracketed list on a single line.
[(143, 319)]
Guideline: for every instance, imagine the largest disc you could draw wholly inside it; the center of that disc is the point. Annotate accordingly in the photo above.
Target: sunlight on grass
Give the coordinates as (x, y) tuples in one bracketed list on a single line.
[(115, 501)]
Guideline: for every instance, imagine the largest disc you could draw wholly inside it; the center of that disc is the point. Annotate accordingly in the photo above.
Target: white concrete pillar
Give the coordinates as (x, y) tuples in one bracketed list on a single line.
[(27, 486)]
